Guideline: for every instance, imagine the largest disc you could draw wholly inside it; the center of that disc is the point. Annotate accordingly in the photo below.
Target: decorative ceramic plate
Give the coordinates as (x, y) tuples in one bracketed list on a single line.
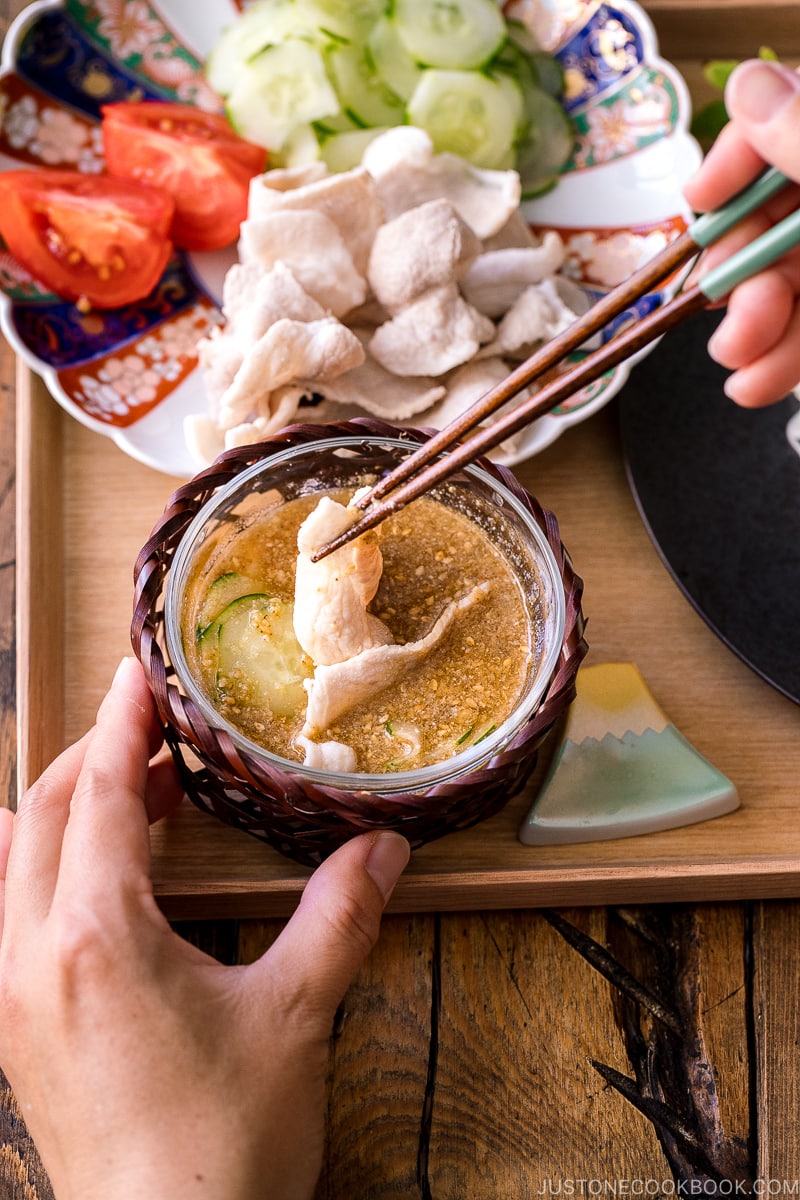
[(131, 373)]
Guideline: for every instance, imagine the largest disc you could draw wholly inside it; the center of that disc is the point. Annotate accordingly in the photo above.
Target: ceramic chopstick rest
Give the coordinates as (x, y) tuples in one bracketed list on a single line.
[(622, 768)]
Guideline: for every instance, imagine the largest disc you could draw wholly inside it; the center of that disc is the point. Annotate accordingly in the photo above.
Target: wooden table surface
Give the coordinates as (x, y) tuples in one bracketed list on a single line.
[(507, 1054)]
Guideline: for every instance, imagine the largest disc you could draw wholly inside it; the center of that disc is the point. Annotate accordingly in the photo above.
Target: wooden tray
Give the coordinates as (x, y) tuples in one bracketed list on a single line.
[(84, 510)]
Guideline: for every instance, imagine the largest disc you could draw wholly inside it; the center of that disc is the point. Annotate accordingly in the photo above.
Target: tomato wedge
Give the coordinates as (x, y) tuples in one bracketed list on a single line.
[(89, 238), (193, 155)]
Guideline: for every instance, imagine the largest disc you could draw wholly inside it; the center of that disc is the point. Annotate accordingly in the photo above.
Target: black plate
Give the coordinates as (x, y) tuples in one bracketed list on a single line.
[(718, 488)]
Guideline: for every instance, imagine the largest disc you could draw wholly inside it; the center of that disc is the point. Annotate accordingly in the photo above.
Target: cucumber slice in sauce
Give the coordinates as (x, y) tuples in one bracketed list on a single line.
[(282, 87), (363, 95), (222, 591), (458, 34), (260, 664), (466, 113)]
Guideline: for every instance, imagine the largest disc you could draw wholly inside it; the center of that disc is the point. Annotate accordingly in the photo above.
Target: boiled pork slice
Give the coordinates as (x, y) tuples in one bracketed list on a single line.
[(337, 688), (331, 621)]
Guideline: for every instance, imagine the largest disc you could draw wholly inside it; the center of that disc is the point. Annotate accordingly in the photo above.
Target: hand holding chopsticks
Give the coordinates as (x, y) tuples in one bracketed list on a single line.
[(445, 453)]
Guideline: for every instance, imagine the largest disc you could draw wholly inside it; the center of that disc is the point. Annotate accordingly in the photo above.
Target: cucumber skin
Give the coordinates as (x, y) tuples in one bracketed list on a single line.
[(514, 55), (270, 668), (223, 591)]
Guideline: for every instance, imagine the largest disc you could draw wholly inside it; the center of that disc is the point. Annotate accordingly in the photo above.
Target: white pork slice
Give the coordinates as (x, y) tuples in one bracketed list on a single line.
[(255, 297), (337, 688), (408, 173), (282, 179), (495, 280), (312, 248), (515, 234), (425, 247), (431, 335), (538, 314), (331, 621), (219, 358), (464, 387), (203, 438), (287, 352), (349, 199), (276, 409), (373, 389), (468, 384), (327, 756), (402, 144)]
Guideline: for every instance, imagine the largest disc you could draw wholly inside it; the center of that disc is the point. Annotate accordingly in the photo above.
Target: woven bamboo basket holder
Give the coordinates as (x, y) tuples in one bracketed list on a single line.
[(300, 818)]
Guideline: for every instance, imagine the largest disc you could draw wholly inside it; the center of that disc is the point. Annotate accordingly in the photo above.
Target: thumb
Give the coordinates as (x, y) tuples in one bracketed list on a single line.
[(764, 97), (336, 923), (6, 831)]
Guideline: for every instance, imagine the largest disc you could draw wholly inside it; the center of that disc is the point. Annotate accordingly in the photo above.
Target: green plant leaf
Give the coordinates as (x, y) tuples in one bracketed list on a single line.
[(719, 70), (708, 121)]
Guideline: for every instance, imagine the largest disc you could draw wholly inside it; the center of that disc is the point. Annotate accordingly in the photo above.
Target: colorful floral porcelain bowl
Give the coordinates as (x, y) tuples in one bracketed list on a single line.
[(131, 373)]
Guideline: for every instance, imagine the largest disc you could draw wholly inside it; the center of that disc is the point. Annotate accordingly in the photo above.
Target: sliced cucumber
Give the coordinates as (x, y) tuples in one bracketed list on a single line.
[(515, 101), (549, 74), (458, 34), (546, 146), (467, 114), (522, 54), (392, 61), (522, 36), (349, 20), (265, 23), (283, 86), (300, 148), (222, 591), (341, 123), (259, 661), (363, 95), (343, 151)]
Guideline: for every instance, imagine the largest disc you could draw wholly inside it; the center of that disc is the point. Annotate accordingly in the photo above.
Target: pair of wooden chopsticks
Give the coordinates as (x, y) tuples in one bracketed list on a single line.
[(430, 464)]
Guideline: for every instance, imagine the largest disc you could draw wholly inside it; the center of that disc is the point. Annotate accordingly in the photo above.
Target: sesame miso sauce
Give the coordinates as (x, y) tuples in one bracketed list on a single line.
[(239, 597)]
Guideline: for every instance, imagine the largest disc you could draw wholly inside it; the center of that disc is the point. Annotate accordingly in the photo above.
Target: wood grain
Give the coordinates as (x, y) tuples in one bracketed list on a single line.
[(22, 1176), (724, 28), (40, 584), (776, 1015)]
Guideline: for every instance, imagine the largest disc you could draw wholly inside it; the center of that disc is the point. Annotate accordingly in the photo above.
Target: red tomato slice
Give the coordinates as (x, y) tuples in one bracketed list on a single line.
[(87, 237), (193, 155)]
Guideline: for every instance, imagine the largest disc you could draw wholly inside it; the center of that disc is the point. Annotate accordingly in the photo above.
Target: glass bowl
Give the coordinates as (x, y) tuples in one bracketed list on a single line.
[(306, 812)]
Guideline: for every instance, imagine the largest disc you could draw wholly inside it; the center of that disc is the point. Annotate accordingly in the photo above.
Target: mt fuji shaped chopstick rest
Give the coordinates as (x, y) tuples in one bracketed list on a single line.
[(622, 768)]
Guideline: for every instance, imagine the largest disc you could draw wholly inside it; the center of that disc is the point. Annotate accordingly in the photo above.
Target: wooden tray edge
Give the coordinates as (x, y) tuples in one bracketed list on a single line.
[(39, 631), (41, 688), (775, 879)]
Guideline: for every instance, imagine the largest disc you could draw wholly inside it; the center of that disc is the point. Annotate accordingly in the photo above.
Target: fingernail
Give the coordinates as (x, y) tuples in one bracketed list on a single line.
[(714, 346), (757, 90), (123, 668), (387, 859), (731, 389)]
